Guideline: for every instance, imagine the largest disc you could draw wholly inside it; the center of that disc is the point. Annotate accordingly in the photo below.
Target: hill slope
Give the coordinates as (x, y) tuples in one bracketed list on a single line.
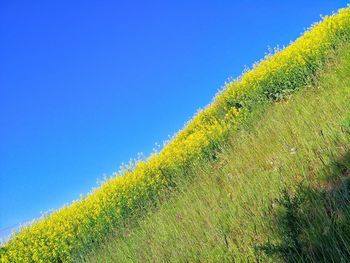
[(280, 190), (73, 231)]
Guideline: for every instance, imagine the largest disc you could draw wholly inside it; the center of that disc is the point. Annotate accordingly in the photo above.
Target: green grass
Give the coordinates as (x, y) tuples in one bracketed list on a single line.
[(277, 191), (190, 198)]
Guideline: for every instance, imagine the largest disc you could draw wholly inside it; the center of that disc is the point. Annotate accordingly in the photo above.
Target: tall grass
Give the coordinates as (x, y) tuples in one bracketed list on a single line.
[(278, 191), (75, 229)]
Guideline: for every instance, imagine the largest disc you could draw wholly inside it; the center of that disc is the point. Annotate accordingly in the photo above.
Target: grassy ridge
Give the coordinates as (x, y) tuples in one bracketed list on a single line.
[(75, 229), (279, 190)]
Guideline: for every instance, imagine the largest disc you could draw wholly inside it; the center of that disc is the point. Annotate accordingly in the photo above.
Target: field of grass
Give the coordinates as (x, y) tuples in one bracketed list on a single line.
[(241, 181), (279, 190)]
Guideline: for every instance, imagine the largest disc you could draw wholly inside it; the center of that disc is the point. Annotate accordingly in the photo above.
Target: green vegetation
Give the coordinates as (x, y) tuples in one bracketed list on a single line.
[(212, 187), (279, 190)]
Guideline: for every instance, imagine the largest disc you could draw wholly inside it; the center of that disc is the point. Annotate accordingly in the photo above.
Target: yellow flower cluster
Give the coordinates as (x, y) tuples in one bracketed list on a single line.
[(71, 231)]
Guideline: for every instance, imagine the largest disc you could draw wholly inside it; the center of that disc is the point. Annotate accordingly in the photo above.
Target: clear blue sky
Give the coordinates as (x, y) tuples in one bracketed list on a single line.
[(85, 85)]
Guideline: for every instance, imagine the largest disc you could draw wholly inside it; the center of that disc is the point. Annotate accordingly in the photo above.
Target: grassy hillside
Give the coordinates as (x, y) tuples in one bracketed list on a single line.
[(75, 230), (279, 190)]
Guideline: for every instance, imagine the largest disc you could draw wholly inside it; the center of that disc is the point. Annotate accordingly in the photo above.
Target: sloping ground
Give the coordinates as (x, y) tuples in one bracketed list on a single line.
[(76, 229), (279, 191)]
